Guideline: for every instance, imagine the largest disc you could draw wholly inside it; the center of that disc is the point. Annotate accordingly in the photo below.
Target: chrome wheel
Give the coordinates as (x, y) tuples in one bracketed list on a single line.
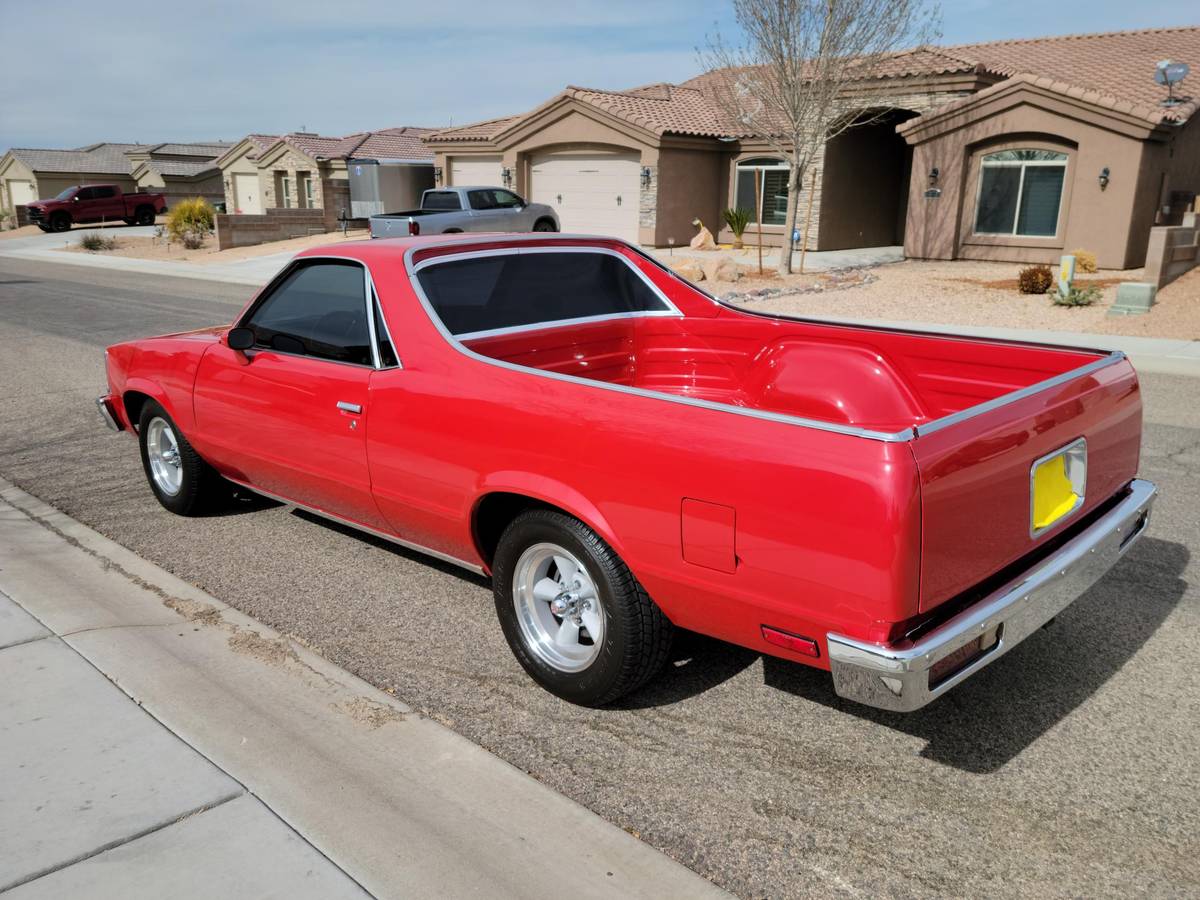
[(558, 609), (162, 449)]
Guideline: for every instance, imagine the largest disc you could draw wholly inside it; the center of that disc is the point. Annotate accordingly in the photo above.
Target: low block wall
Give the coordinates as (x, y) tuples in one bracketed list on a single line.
[(1173, 250), (273, 225), (22, 214)]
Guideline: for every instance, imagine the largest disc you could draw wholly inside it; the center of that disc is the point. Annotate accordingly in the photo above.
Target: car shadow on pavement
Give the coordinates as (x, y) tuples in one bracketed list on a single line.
[(697, 664), (384, 544), (991, 717), (239, 502)]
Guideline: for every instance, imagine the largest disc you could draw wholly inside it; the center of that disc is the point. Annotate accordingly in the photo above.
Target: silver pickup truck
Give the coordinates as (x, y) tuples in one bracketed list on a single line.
[(470, 208)]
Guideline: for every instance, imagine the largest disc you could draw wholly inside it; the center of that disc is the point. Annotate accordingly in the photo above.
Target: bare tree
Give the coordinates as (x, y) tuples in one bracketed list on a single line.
[(801, 74)]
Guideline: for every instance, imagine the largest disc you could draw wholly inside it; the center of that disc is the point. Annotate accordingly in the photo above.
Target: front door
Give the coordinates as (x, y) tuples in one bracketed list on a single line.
[(290, 415)]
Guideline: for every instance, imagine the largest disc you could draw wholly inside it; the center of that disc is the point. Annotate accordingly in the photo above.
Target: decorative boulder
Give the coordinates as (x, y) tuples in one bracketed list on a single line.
[(704, 239), (723, 269), (689, 269)]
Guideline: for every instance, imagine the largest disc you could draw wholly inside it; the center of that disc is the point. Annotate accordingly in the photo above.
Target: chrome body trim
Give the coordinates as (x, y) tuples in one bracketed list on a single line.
[(1013, 396), (904, 434), (107, 414), (898, 679), (358, 526), (1076, 448)]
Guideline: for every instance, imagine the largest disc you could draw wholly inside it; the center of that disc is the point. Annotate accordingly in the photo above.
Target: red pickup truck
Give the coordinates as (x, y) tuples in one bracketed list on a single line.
[(624, 454), (95, 203)]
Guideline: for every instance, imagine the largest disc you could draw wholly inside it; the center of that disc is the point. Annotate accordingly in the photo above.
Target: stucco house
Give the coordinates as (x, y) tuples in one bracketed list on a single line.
[(1015, 150), (303, 170), (178, 170)]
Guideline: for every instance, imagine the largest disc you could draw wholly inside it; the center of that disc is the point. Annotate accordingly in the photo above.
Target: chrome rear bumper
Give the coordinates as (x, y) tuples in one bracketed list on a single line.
[(899, 679)]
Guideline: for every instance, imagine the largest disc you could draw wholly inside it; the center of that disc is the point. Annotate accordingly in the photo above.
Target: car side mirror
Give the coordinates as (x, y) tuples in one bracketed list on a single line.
[(241, 339)]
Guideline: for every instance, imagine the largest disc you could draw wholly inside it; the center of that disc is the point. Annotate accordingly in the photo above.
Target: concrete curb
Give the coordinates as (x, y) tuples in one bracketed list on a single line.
[(401, 804)]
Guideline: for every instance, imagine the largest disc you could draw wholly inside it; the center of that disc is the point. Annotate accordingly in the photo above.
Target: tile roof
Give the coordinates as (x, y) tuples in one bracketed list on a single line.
[(476, 131), (97, 159), (1114, 69), (179, 167), (395, 143), (1118, 67), (261, 143), (206, 149)]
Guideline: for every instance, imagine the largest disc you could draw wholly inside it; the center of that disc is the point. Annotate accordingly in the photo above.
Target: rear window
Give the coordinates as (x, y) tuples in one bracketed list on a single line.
[(528, 289), (441, 200)]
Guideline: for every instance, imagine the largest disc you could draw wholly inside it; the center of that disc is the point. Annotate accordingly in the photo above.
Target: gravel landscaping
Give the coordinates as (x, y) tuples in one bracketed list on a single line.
[(961, 292)]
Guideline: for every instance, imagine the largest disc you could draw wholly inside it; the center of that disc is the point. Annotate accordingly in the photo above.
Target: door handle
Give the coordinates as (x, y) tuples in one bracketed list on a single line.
[(349, 407)]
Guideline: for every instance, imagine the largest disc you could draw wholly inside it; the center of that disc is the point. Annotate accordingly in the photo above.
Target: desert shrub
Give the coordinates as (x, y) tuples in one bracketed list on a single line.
[(195, 216), (737, 220), (95, 242), (1076, 296), (192, 240), (1085, 261), (1035, 279)]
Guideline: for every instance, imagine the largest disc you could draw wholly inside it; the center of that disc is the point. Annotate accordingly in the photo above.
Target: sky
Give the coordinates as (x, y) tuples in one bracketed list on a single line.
[(76, 73)]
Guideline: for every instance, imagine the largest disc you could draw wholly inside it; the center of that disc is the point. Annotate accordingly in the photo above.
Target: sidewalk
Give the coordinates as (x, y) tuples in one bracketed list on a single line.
[(155, 742)]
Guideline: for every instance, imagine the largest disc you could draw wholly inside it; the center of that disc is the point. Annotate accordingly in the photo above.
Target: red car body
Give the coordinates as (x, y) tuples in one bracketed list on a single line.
[(799, 488), (96, 203)]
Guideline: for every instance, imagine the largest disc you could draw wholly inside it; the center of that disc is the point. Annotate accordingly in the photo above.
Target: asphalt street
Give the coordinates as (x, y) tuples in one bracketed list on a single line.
[(1068, 768)]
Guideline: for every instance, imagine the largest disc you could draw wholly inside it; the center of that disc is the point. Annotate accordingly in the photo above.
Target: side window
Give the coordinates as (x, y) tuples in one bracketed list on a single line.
[(86, 193), (319, 310), (441, 200), (102, 193), (507, 200), (481, 200), (387, 353), (529, 289)]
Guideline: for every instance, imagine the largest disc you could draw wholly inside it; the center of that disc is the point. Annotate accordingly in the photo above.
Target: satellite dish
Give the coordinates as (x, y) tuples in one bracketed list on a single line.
[(1170, 73)]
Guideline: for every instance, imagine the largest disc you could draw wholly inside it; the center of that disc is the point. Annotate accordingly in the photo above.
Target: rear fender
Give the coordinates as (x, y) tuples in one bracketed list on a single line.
[(553, 493)]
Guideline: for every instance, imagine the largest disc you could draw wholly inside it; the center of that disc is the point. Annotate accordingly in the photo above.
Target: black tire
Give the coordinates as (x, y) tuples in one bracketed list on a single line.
[(636, 634), (144, 215), (129, 220), (544, 225), (44, 227), (60, 222), (200, 487)]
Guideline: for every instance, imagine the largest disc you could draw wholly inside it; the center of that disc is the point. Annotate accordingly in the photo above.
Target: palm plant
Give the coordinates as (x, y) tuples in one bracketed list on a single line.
[(737, 220)]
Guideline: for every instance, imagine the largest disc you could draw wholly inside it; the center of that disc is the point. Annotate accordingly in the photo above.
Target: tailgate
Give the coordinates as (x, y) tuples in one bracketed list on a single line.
[(975, 470)]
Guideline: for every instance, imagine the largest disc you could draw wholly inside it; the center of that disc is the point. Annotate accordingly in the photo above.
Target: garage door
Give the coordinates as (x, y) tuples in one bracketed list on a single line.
[(247, 197), (20, 193), (593, 194), (481, 170)]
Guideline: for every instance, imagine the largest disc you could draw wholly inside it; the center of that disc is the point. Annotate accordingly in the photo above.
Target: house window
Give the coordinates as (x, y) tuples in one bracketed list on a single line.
[(772, 177), (305, 194), (1020, 192), (283, 190)]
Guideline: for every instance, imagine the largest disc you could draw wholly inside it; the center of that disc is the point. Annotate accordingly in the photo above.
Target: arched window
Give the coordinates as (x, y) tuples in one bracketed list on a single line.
[(772, 177), (1020, 192)]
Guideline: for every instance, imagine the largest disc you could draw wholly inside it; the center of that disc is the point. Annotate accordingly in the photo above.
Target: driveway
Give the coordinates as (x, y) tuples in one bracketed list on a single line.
[(1068, 768)]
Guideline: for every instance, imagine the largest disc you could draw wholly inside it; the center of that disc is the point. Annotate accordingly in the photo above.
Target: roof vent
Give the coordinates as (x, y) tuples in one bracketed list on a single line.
[(1170, 73)]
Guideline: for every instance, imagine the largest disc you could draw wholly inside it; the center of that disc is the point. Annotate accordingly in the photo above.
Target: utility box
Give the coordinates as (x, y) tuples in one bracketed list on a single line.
[(380, 186)]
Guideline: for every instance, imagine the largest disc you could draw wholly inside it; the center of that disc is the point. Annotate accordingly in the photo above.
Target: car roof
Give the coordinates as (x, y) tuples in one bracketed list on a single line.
[(381, 249)]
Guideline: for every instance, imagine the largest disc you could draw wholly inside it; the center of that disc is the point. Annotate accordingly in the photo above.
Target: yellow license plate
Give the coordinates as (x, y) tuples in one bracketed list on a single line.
[(1057, 483)]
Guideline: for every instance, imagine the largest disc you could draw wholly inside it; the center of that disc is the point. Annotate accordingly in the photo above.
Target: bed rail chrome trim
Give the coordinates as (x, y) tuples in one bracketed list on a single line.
[(904, 434), (358, 526), (899, 679), (1013, 396)]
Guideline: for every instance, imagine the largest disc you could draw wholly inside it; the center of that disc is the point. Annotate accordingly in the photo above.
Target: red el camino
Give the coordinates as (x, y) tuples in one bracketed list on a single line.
[(625, 455)]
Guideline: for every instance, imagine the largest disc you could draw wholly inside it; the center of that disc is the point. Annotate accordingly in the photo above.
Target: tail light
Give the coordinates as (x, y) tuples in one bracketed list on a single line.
[(414, 227)]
